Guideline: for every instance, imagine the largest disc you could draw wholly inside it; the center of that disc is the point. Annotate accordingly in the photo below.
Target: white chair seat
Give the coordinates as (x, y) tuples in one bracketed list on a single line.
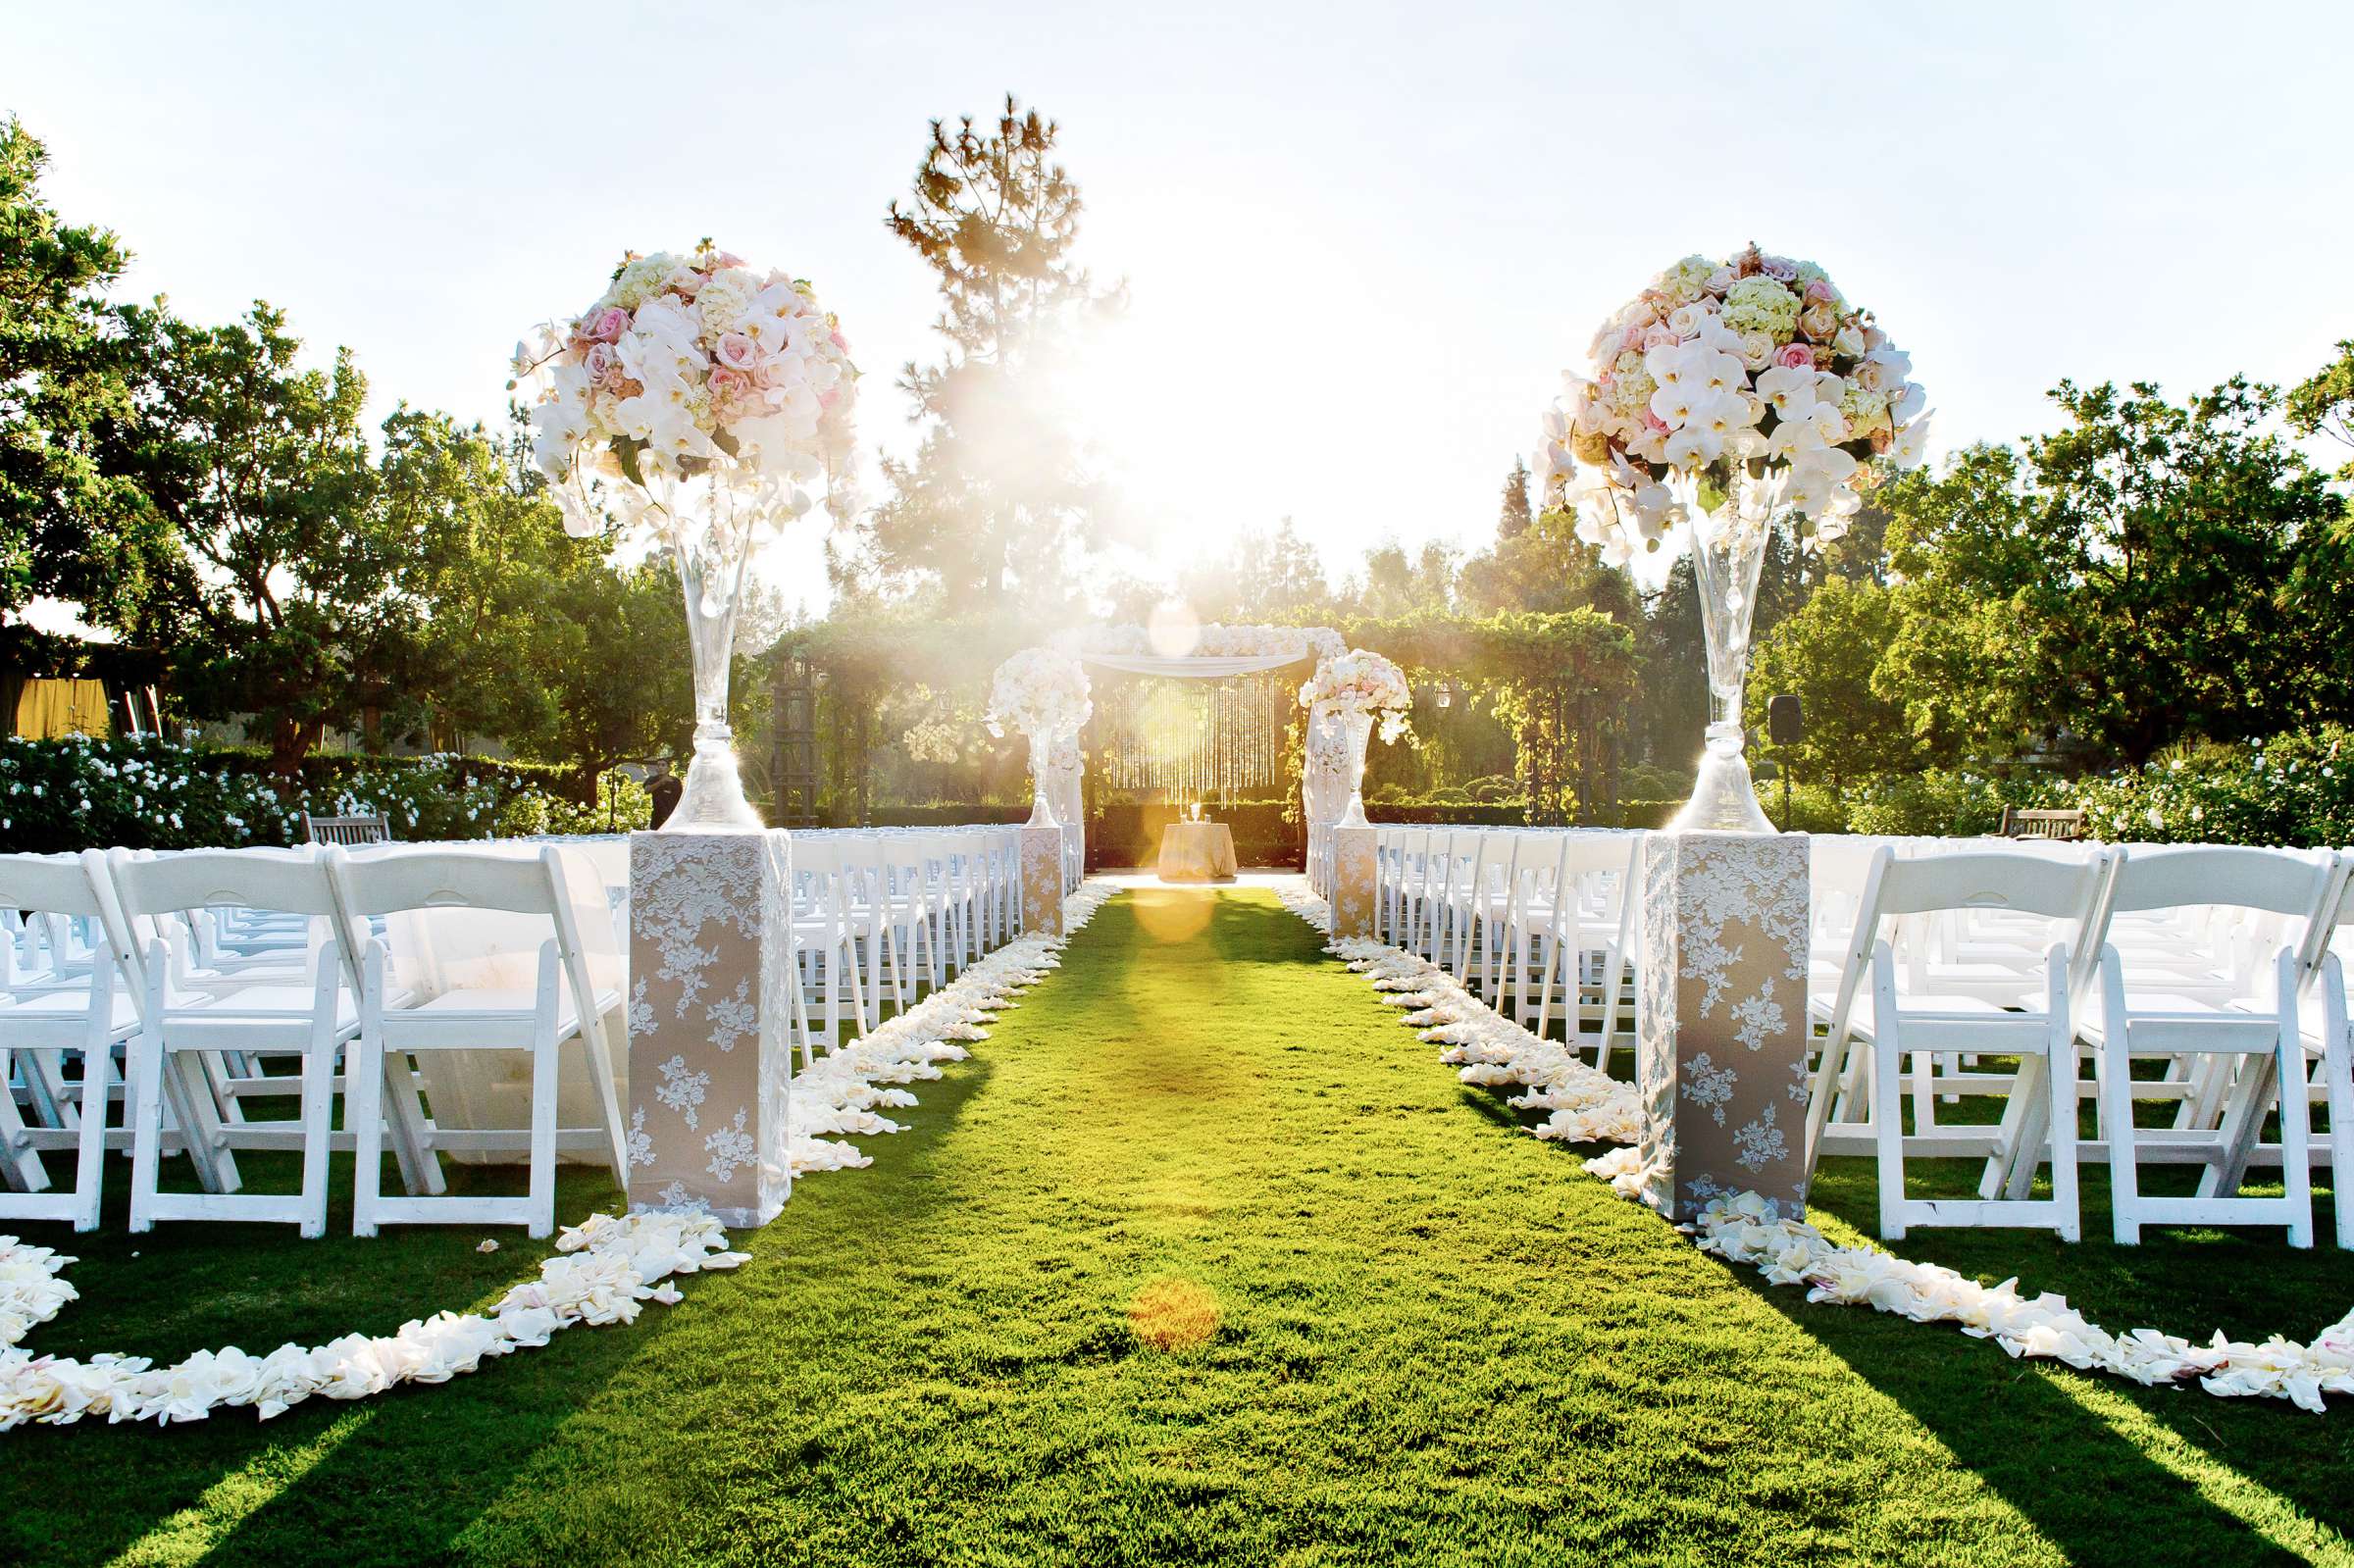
[(264, 1004), (73, 1003), (499, 1002)]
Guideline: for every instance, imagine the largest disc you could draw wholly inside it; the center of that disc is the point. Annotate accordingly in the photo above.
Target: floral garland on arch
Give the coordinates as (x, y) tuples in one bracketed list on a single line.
[(1041, 693), (1361, 682), (1587, 1105), (1217, 641), (685, 368), (1753, 366)]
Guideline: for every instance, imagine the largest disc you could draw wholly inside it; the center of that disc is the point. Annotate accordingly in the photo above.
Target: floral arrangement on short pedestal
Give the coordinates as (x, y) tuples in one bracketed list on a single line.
[(1757, 363), (690, 366), (1041, 693), (1361, 682)]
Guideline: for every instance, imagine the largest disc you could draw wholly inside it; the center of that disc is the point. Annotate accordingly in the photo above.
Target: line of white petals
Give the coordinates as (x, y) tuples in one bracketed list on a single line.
[(1741, 1227), (605, 1270)]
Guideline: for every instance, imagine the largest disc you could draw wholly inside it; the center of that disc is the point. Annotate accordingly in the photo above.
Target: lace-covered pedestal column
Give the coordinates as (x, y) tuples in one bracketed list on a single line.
[(1355, 883), (1721, 1055), (1042, 880), (710, 1001)]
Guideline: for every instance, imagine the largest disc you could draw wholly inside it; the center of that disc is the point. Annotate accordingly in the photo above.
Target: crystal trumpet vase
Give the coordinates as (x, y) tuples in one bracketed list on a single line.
[(1728, 547), (1359, 730), (711, 553), (1042, 807)]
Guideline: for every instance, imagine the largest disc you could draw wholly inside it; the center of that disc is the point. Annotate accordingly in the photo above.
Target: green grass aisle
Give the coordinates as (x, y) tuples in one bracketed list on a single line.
[(1200, 1258)]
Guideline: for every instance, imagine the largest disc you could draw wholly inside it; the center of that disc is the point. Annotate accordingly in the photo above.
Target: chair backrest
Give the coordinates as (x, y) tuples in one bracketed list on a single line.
[(54, 885), (1991, 880), (2282, 881), (394, 880), (2023, 883), (346, 830), (144, 888)]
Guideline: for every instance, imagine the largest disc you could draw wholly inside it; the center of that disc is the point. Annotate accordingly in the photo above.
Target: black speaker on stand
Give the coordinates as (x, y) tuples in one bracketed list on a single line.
[(1785, 723)]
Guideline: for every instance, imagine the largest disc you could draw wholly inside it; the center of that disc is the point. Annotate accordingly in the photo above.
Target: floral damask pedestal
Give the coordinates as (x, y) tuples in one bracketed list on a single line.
[(1041, 882), (1721, 1019), (1356, 881), (710, 998)]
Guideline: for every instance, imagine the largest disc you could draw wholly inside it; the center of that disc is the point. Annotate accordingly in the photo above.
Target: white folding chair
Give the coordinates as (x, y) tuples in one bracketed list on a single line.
[(310, 1022), (2033, 1023), (2240, 1055), (446, 1010), (37, 1029)]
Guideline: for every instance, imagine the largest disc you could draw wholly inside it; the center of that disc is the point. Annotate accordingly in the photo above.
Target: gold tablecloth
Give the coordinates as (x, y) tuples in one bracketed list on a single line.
[(1197, 852)]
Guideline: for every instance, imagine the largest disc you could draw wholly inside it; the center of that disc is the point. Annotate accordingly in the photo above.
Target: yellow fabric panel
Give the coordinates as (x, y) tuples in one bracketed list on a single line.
[(49, 709)]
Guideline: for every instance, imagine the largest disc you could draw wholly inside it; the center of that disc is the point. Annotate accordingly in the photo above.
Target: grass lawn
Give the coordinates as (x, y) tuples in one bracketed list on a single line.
[(1201, 1258)]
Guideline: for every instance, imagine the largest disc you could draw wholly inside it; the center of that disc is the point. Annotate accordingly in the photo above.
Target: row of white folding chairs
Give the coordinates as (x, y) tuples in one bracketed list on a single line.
[(881, 913), (2213, 961), (184, 1037), (1536, 920)]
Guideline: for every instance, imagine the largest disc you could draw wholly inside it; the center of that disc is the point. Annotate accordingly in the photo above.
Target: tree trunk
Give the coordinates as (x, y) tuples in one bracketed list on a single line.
[(291, 740)]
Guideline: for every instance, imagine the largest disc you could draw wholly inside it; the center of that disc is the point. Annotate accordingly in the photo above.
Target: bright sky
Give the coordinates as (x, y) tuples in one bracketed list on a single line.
[(1361, 240)]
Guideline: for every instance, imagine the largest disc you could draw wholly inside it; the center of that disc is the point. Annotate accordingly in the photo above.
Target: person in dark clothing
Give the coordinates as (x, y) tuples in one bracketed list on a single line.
[(665, 788)]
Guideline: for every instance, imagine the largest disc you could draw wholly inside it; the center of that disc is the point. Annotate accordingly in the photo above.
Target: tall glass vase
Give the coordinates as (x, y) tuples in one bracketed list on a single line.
[(1042, 782), (1357, 732), (712, 533), (1728, 547)]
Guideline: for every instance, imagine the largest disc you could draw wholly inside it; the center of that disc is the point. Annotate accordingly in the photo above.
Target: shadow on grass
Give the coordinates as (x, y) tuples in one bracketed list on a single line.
[(431, 1464), (397, 1477), (2020, 1426)]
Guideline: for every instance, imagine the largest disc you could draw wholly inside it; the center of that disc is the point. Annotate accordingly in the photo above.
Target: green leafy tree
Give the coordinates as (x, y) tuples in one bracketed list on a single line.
[(292, 576), (1271, 578), (1828, 652), (999, 495), (2151, 571), (1544, 568), (1397, 583), (2324, 404), (72, 524)]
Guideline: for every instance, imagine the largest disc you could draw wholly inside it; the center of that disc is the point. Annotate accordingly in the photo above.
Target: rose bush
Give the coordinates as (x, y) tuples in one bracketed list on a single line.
[(81, 793)]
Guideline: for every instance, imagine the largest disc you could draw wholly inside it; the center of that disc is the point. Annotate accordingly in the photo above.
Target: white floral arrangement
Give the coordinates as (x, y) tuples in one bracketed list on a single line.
[(1214, 641), (1041, 693), (1361, 682), (693, 367), (604, 1272), (1586, 1105), (1755, 366)]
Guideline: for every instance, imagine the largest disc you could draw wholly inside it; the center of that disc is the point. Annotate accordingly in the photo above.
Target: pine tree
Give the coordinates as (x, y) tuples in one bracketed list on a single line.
[(999, 491), (1513, 520)]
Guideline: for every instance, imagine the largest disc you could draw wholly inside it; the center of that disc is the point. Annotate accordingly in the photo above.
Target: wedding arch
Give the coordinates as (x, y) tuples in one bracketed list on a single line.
[(1213, 652)]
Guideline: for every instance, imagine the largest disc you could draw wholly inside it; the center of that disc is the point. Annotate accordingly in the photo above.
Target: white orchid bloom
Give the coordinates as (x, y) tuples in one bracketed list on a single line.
[(1910, 448), (1907, 405), (1787, 391), (1674, 405), (1693, 447), (1722, 416), (1796, 433)]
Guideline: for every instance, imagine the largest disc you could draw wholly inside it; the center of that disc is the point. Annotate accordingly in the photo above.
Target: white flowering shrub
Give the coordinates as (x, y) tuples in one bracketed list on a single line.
[(2293, 789), (81, 793)]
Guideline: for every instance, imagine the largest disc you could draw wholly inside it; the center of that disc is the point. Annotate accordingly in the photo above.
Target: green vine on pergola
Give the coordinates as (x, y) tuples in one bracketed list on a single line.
[(1563, 682)]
